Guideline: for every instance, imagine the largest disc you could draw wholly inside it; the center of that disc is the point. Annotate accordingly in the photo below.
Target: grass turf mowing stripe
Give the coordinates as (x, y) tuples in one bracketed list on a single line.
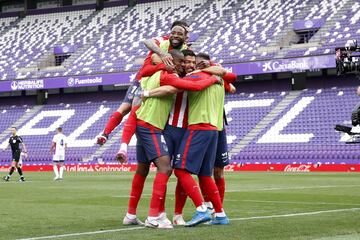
[(233, 219)]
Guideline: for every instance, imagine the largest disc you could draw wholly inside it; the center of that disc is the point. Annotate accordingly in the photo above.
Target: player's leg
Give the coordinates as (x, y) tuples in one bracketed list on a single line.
[(188, 160), (137, 187), (173, 137), (222, 160), (180, 200), (155, 149), (22, 179), (55, 167), (129, 129), (11, 171), (117, 116), (161, 179), (220, 181), (56, 170), (207, 183), (61, 169)]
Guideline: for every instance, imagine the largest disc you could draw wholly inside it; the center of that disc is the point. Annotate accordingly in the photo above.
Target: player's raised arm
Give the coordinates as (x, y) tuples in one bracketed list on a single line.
[(215, 70), (188, 83), (152, 46)]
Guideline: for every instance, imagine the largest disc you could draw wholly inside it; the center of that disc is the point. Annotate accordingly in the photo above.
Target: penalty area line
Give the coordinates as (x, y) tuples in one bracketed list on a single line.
[(232, 219)]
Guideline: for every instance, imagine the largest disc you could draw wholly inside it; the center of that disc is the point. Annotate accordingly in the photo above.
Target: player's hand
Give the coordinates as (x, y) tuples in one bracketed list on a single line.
[(101, 140), (167, 59), (143, 98), (219, 80), (232, 88), (121, 156), (203, 64), (170, 69)]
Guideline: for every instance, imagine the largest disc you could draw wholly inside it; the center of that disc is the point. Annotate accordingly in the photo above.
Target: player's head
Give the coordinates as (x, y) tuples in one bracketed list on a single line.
[(179, 23), (184, 25), (189, 61), (13, 130), (178, 60), (177, 36), (202, 61), (59, 129)]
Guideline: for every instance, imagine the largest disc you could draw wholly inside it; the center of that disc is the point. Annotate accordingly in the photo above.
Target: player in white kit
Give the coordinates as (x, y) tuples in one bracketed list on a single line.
[(58, 148)]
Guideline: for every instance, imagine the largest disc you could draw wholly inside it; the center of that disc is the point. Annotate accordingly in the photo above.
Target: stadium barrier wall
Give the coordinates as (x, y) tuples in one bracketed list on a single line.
[(294, 168)]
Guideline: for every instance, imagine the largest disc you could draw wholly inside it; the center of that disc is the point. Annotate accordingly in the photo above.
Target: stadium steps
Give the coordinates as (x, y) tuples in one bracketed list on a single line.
[(253, 133), (285, 37), (213, 28), (69, 61), (45, 58), (27, 115), (319, 38), (116, 135), (12, 25), (320, 35)]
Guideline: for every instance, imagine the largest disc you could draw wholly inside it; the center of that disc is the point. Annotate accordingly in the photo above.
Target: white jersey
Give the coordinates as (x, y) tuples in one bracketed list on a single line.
[(60, 141)]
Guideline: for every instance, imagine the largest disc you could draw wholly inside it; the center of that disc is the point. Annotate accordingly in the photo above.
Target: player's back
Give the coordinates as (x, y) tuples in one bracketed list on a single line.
[(60, 141)]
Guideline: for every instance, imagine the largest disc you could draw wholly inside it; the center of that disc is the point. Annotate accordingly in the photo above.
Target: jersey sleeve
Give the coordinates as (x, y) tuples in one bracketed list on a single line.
[(54, 139), (150, 69), (20, 139), (191, 83), (226, 86), (229, 77)]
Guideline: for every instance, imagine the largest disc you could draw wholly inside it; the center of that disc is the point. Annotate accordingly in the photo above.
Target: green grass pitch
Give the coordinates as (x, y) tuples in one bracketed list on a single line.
[(277, 206)]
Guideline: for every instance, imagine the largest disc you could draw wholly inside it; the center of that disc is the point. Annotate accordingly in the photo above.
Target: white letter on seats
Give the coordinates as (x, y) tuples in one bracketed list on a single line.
[(72, 142), (274, 136)]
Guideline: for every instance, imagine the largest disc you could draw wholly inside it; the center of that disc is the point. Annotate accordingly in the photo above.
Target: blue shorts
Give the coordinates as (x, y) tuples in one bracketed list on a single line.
[(152, 143), (133, 91), (197, 152), (173, 137), (222, 155), (140, 154)]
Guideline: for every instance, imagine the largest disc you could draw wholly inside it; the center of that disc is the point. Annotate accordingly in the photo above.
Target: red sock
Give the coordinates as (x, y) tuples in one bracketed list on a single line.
[(180, 198), (113, 122), (135, 194), (158, 194), (190, 186), (130, 126), (220, 183), (211, 190), (205, 196), (162, 203)]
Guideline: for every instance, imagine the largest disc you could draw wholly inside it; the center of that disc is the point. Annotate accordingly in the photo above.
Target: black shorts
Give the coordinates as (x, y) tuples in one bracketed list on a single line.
[(16, 155)]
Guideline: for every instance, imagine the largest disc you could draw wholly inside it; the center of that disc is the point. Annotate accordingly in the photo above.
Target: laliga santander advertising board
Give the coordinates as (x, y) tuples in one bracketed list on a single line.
[(290, 168)]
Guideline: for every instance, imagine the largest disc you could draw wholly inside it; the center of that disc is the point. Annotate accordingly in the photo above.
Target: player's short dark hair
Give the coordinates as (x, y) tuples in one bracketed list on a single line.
[(14, 128), (176, 53), (182, 24), (59, 129), (203, 55), (179, 23), (188, 52)]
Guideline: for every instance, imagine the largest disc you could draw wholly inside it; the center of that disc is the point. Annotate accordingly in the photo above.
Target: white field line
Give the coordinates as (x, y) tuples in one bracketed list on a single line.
[(294, 202), (233, 219), (290, 188)]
